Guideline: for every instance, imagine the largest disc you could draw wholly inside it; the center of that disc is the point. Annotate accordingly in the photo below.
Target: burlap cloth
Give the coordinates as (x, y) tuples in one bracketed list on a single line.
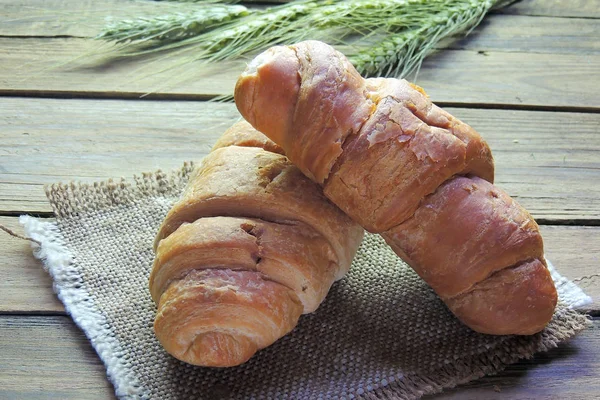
[(381, 333)]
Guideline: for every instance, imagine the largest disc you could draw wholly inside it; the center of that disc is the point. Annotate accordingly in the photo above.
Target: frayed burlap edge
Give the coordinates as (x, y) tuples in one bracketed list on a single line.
[(70, 199), (73, 293), (67, 201)]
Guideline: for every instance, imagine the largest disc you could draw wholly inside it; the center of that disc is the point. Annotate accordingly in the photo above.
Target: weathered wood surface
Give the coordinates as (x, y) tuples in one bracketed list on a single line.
[(568, 372), (42, 67), (498, 32), (49, 358), (26, 288), (51, 140), (85, 18), (518, 33), (555, 8), (48, 18), (514, 48), (533, 55)]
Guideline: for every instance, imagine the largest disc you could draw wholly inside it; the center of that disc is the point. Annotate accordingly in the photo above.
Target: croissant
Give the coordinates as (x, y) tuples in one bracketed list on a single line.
[(402, 167), (251, 245)]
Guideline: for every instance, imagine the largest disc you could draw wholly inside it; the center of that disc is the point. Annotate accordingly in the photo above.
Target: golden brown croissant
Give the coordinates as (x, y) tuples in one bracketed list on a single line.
[(401, 166), (250, 246)]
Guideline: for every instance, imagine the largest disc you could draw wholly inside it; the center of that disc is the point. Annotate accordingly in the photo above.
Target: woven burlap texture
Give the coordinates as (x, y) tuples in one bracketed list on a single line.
[(381, 333)]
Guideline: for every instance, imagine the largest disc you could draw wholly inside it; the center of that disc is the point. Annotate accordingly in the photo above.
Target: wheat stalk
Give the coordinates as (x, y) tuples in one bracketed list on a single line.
[(389, 37), (402, 53), (255, 32), (171, 27)]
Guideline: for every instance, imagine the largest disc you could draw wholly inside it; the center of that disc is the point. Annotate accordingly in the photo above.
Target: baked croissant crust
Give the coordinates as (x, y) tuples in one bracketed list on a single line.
[(251, 245), (403, 167)]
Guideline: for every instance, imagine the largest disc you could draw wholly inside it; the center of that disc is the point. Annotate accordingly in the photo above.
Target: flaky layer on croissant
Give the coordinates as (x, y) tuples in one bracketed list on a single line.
[(466, 240), (247, 181), (401, 166), (251, 245), (295, 255), (221, 317)]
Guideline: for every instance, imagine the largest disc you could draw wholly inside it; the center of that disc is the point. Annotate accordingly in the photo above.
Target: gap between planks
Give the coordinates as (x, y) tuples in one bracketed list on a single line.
[(161, 96)]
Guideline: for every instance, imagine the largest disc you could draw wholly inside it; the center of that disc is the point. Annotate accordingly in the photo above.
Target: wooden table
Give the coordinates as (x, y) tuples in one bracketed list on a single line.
[(528, 79)]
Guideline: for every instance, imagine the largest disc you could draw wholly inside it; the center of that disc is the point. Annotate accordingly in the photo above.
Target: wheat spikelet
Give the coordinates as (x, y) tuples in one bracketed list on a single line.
[(385, 37), (171, 27), (401, 53)]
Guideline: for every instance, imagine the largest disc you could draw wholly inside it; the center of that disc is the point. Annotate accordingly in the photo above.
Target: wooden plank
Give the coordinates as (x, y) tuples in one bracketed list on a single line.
[(555, 8), (75, 18), (498, 32), (515, 33), (575, 252), (537, 153), (32, 67), (49, 358), (25, 287), (86, 18), (568, 372), (51, 140), (46, 141), (518, 79), (43, 66)]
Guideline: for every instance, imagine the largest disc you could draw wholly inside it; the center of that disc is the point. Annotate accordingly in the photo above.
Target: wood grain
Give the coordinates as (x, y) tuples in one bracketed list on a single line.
[(497, 32), (46, 141), (49, 358), (83, 18), (36, 67), (536, 153), (51, 140), (568, 372), (575, 252), (26, 288), (526, 80), (51, 66), (86, 18), (555, 8), (560, 8), (515, 33), (534, 54)]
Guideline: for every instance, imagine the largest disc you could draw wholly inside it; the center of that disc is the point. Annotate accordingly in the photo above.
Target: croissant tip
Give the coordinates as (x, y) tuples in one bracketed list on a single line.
[(218, 349)]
